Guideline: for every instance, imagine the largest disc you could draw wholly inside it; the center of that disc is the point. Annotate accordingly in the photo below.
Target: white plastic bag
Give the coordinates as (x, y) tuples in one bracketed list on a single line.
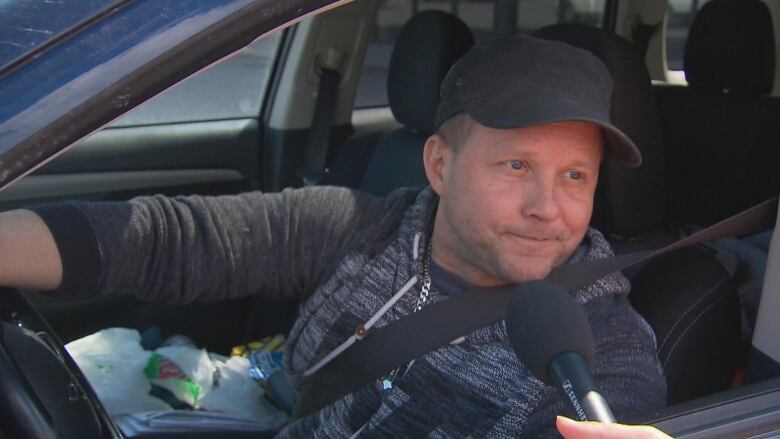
[(217, 384), (238, 395), (113, 362), (120, 370)]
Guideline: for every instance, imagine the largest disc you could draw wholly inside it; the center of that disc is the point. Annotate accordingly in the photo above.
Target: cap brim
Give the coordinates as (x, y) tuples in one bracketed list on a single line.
[(620, 147), (508, 112)]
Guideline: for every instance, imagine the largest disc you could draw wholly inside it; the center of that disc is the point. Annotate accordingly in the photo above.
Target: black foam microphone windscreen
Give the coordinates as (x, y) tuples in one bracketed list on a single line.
[(543, 321)]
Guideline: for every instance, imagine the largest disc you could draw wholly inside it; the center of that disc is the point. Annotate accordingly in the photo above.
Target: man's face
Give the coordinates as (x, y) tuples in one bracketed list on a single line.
[(514, 203)]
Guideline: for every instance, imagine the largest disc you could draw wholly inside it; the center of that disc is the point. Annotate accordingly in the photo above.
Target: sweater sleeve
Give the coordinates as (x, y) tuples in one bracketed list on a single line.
[(206, 248), (626, 369)]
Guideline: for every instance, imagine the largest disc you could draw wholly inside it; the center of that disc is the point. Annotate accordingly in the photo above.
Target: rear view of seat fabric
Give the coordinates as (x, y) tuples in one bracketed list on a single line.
[(427, 46), (722, 131)]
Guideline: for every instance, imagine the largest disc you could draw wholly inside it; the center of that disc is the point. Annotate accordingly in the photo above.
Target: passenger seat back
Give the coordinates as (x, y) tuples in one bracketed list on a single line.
[(721, 131), (427, 46)]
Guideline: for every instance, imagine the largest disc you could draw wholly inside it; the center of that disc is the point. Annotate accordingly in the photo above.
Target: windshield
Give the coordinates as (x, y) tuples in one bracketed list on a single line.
[(27, 24)]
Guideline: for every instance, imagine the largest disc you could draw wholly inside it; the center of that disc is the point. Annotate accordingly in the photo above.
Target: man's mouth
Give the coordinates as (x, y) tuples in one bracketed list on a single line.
[(534, 237)]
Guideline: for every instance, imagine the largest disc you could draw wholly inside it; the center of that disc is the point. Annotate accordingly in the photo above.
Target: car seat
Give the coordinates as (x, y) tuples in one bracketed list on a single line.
[(427, 46), (721, 131), (687, 296)]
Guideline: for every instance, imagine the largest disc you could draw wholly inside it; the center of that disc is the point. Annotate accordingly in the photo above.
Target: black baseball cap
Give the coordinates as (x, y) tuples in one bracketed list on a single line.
[(521, 81)]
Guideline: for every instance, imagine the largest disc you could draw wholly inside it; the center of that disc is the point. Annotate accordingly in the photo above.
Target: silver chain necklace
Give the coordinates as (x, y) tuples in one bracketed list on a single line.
[(422, 299), (425, 291)]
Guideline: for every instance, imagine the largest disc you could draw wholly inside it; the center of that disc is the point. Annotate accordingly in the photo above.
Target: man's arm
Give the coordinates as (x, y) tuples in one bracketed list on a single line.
[(206, 248), (29, 256), (626, 366)]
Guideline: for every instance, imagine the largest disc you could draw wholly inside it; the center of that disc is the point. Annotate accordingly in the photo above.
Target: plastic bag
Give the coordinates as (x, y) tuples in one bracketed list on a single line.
[(185, 371), (122, 373), (113, 362), (238, 395)]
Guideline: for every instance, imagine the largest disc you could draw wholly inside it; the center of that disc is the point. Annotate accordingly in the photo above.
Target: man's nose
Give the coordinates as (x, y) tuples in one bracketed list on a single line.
[(540, 201)]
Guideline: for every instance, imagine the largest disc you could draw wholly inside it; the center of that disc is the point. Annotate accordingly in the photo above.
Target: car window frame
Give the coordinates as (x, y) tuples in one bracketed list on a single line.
[(41, 119)]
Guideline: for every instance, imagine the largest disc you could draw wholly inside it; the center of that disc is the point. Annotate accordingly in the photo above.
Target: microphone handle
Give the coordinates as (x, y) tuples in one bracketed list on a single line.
[(571, 377)]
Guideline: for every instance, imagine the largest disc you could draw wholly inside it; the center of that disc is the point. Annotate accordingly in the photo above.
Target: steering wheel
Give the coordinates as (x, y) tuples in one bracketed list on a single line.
[(43, 393)]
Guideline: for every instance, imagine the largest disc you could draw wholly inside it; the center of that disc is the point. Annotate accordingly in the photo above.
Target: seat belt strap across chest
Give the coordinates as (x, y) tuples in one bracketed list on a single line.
[(412, 336)]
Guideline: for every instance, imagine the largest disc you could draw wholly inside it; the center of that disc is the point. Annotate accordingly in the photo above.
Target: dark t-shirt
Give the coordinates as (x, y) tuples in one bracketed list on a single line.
[(446, 283), (450, 284)]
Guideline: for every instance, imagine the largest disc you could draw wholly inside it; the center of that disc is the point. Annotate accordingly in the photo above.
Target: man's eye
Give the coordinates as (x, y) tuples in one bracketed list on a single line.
[(516, 164), (574, 175)]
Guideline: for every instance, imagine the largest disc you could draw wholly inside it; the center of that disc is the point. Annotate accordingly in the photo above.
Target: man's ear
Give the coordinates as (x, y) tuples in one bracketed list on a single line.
[(437, 155)]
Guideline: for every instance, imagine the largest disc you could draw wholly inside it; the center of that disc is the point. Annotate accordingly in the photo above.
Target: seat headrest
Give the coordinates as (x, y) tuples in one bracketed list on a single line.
[(731, 47), (629, 202), (427, 46)]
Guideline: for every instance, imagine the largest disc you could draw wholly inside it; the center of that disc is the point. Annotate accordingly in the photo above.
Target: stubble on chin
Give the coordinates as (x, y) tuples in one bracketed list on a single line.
[(515, 274), (525, 268)]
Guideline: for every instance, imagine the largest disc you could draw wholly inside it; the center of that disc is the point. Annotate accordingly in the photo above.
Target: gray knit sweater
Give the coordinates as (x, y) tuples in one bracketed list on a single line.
[(347, 253)]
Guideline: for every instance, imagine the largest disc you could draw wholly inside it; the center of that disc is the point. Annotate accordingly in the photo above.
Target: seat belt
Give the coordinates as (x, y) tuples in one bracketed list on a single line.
[(316, 152), (414, 335)]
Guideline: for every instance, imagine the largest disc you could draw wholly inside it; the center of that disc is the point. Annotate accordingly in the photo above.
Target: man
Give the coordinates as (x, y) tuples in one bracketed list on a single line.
[(521, 131)]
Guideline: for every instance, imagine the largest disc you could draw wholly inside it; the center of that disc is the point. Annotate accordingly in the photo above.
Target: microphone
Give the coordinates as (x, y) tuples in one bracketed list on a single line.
[(550, 334)]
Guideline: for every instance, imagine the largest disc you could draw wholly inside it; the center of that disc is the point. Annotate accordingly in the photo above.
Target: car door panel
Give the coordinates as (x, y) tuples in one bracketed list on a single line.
[(202, 157)]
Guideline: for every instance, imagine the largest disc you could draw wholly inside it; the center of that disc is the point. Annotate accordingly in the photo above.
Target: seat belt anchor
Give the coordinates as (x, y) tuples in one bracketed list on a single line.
[(331, 60)]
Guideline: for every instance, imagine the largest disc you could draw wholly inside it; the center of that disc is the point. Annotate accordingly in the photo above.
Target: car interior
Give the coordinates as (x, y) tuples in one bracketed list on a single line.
[(696, 88)]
